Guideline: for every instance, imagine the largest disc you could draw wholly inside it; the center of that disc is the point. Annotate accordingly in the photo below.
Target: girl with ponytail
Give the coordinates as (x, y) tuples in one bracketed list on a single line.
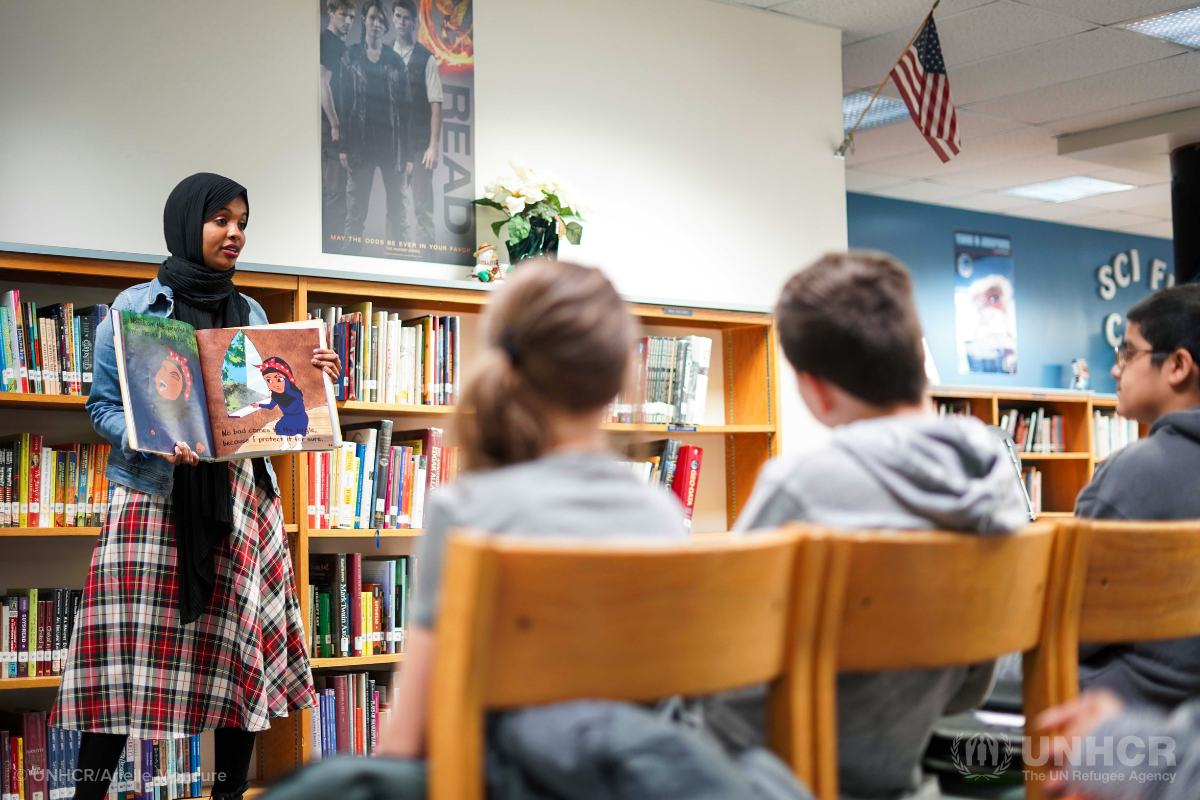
[(559, 342)]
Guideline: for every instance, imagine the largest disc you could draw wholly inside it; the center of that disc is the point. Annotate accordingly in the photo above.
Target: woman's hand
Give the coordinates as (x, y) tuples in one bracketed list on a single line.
[(328, 362), (183, 455)]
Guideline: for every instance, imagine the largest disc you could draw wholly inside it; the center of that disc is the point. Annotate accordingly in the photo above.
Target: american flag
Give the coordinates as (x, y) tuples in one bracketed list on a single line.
[(920, 75)]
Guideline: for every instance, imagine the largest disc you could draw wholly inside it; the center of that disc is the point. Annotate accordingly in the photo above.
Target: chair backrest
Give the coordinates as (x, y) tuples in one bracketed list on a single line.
[(1115, 582), (897, 600), (1127, 582), (526, 620)]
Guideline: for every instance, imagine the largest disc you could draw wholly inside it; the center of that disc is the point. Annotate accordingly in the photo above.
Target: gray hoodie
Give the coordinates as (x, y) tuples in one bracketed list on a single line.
[(1152, 479), (911, 472)]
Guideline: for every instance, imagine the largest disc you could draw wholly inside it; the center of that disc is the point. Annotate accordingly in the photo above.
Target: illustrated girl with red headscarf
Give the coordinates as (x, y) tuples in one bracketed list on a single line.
[(288, 398), (174, 418)]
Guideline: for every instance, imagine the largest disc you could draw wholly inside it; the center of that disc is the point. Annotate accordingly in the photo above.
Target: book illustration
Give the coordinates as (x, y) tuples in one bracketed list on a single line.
[(288, 399), (291, 405), (241, 377), (264, 405), (164, 400)]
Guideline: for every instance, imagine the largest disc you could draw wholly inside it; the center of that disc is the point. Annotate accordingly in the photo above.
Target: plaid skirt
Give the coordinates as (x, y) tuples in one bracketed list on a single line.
[(133, 669)]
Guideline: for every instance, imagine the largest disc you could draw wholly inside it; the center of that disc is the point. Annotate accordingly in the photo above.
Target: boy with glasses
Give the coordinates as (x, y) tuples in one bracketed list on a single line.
[(1158, 384)]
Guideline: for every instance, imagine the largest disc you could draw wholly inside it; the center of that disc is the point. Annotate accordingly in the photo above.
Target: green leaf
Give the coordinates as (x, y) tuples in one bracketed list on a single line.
[(518, 229), (497, 225), (483, 201), (574, 232)]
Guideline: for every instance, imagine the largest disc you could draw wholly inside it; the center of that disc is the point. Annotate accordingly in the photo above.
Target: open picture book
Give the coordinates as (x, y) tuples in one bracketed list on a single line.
[(228, 392)]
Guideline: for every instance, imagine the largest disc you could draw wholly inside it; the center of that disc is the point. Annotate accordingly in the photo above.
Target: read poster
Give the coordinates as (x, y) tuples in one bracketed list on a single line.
[(397, 107), (985, 311)]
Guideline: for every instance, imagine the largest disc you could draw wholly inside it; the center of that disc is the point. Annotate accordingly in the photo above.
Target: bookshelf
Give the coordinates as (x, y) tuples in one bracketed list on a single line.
[(740, 432), (1064, 474)]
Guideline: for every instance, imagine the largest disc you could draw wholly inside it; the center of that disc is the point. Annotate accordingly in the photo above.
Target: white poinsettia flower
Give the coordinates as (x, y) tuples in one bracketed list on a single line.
[(493, 190), (533, 194), (547, 178), (519, 168), (514, 204), (511, 184), (566, 197)]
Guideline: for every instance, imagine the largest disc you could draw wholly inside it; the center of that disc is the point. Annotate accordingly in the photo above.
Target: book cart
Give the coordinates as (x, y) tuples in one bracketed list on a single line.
[(1065, 473), (740, 432)]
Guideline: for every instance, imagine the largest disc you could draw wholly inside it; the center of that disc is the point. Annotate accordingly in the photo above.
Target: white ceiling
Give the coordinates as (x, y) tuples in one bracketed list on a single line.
[(1022, 72)]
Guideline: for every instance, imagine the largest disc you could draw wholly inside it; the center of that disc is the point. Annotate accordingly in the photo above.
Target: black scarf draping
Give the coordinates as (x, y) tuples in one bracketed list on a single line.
[(204, 298)]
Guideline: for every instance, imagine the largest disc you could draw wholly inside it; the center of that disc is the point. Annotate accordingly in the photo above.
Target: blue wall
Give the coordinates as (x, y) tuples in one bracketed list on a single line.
[(1060, 314)]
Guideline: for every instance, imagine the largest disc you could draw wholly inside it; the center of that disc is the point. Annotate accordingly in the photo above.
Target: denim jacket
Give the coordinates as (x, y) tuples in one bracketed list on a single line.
[(142, 472)]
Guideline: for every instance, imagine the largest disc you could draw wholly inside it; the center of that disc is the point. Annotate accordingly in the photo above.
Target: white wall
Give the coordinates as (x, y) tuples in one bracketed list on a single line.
[(700, 134)]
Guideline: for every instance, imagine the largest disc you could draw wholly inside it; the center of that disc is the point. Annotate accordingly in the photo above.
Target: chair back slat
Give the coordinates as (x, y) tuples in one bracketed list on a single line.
[(1143, 582)]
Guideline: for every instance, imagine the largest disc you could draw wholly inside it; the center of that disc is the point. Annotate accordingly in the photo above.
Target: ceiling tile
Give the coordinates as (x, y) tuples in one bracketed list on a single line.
[(1050, 212), (1130, 198), (860, 180), (1160, 229), (1115, 114), (1156, 210), (1136, 177), (1113, 220), (976, 153), (979, 33), (1016, 173), (861, 19), (986, 201), (1093, 52), (886, 142), (921, 191), (1107, 12), (1158, 79)]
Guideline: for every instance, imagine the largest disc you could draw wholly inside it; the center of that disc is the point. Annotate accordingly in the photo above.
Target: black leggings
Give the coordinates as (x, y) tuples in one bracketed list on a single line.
[(100, 752)]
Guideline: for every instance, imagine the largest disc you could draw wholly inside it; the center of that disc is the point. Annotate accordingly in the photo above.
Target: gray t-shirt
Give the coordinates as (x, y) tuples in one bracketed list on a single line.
[(589, 495)]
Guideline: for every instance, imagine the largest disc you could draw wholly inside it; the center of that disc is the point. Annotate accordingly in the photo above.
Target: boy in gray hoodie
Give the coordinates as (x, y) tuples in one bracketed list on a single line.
[(849, 328)]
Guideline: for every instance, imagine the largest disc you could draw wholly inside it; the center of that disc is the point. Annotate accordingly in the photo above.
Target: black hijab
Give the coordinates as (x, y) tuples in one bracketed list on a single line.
[(204, 298)]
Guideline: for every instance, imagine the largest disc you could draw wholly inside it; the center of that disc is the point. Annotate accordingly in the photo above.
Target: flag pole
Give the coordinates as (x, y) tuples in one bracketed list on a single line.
[(841, 151)]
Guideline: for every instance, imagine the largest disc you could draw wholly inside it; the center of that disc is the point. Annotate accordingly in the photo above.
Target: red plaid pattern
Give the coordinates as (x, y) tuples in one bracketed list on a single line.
[(132, 669)]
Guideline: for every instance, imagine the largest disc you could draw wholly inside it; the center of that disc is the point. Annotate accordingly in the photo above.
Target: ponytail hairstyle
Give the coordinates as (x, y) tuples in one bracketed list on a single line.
[(558, 337)]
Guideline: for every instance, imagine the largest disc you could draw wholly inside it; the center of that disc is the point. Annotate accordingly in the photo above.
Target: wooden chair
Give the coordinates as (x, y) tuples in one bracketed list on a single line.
[(897, 600), (1120, 582), (526, 621)]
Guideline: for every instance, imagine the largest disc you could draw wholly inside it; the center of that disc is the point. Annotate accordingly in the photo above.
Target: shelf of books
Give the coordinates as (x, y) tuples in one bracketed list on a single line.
[(1061, 435), (701, 421)]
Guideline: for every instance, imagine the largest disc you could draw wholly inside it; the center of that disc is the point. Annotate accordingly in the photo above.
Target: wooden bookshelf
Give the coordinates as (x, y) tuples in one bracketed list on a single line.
[(356, 661), (42, 682), (1063, 474), (14, 532), (745, 425)]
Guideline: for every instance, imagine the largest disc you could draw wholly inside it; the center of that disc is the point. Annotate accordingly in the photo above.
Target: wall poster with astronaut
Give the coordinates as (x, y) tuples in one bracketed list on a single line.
[(985, 313)]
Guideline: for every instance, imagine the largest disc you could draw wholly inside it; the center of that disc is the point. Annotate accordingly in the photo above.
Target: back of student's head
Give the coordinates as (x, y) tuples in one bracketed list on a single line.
[(849, 318), (1169, 320), (558, 338)]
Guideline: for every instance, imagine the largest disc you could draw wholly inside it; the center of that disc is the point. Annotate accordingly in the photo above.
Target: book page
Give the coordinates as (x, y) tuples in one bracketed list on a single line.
[(265, 396), (161, 385)]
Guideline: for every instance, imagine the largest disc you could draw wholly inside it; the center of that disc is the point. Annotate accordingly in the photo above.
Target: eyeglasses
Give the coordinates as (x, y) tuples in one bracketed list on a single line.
[(1125, 355)]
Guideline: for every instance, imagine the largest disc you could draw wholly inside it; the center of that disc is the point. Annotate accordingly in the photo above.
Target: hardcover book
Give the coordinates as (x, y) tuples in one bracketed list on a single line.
[(228, 392)]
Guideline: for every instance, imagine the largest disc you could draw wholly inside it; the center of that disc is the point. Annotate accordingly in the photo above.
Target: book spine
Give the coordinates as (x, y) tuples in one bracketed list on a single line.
[(87, 344), (687, 478), (343, 607), (342, 701), (354, 567)]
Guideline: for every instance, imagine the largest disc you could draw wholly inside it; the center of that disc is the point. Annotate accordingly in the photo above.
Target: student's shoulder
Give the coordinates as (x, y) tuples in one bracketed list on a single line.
[(1145, 458), (794, 473)]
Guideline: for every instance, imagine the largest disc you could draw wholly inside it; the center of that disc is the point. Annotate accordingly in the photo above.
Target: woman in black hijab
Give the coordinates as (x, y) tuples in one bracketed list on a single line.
[(190, 620)]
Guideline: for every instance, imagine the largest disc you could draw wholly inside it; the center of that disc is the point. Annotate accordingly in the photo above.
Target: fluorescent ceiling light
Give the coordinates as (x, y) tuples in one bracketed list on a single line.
[(1066, 189), (1181, 27), (884, 111)]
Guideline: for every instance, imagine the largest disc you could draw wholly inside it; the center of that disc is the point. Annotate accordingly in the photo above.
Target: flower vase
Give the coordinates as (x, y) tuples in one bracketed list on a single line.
[(541, 241)]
